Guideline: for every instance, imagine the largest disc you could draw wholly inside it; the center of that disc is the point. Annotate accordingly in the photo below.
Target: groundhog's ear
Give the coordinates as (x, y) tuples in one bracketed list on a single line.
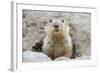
[(62, 19)]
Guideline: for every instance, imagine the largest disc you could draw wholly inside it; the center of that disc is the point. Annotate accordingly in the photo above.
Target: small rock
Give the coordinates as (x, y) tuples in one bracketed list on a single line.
[(29, 56), (62, 59)]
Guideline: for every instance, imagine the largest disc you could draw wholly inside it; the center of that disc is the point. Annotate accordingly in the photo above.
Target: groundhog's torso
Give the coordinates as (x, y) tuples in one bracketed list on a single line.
[(56, 48)]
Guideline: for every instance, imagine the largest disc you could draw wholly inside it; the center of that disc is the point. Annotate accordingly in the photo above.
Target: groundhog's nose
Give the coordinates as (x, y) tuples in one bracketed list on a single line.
[(56, 26)]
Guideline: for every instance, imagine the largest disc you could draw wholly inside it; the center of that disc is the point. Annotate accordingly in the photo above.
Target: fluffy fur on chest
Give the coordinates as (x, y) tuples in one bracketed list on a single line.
[(56, 49)]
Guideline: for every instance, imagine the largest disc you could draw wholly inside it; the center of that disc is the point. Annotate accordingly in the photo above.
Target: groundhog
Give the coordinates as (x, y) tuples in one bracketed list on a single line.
[(57, 42)]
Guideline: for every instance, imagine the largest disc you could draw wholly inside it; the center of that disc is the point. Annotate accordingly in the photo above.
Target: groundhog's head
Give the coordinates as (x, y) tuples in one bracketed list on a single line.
[(56, 27)]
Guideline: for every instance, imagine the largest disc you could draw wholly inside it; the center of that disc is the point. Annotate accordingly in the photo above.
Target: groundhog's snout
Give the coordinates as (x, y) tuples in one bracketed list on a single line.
[(56, 26)]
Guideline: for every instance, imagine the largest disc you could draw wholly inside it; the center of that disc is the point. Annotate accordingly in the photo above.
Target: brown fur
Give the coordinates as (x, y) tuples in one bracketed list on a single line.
[(57, 44)]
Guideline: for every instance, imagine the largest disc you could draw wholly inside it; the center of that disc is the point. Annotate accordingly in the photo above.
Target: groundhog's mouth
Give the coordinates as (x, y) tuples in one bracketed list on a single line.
[(56, 30)]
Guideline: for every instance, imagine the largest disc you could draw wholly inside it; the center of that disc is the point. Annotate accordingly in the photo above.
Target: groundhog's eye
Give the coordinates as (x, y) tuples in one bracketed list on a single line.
[(50, 21), (62, 20)]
